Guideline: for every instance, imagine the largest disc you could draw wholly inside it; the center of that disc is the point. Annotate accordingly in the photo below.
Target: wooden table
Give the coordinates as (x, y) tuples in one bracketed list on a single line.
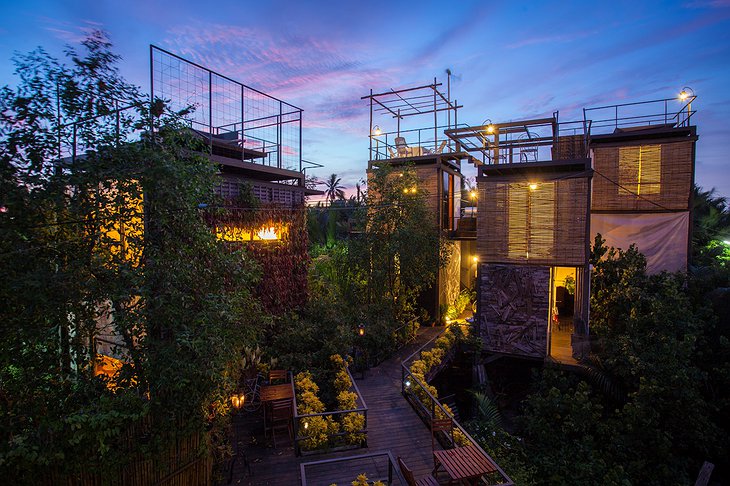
[(270, 393), (464, 463)]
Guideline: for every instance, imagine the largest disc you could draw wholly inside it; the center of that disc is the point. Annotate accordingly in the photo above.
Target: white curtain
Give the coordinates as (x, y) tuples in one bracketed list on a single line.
[(661, 237)]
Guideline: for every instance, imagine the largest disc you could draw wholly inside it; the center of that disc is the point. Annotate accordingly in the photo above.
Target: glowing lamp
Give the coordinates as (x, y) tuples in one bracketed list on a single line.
[(408, 383), (533, 186), (306, 425), (405, 191), (473, 194), (238, 400), (361, 330), (475, 258), (490, 128), (683, 95), (376, 130)]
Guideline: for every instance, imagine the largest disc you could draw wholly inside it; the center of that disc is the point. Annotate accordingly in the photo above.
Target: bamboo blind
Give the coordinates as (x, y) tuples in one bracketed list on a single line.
[(643, 177), (539, 222)]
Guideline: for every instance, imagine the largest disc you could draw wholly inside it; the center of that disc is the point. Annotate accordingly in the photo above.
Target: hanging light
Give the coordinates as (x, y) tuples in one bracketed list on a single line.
[(361, 330), (377, 131)]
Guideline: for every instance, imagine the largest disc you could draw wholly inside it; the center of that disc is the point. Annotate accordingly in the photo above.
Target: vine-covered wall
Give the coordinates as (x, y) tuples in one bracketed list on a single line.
[(284, 261)]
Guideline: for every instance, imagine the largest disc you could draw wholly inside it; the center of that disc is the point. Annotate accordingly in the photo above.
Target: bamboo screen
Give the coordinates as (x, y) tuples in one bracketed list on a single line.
[(540, 223), (642, 177)]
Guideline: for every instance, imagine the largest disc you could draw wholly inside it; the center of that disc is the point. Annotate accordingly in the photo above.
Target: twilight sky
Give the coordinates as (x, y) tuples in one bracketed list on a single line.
[(510, 60)]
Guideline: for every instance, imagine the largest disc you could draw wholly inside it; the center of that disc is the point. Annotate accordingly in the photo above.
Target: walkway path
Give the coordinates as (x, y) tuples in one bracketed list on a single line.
[(392, 425)]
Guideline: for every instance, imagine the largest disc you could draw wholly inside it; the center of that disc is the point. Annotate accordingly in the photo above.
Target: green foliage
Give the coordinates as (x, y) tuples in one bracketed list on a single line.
[(465, 299), (74, 257), (654, 404)]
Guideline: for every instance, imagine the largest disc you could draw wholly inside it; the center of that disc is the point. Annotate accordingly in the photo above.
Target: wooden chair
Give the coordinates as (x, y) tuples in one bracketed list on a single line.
[(440, 425), (282, 412), (408, 475), (278, 375)]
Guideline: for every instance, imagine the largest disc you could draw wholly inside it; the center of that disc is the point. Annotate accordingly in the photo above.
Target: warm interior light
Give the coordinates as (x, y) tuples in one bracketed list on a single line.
[(267, 234), (533, 186), (405, 190), (413, 190), (475, 258)]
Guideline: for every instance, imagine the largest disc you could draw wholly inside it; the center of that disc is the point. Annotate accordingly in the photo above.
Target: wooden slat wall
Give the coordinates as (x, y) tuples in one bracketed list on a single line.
[(428, 180), (570, 147), (287, 196), (674, 186), (513, 309), (553, 215)]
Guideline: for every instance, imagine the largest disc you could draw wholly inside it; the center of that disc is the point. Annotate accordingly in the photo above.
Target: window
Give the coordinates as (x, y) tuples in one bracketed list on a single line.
[(447, 211), (640, 170), (531, 231)]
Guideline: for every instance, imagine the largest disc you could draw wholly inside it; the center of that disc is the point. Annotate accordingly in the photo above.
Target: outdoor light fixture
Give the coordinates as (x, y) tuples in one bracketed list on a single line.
[(408, 383), (405, 190), (490, 128), (686, 92), (533, 186), (475, 258), (376, 130), (361, 330), (473, 194), (237, 401)]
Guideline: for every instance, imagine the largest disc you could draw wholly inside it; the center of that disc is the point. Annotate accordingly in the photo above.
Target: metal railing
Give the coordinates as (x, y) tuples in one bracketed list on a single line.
[(377, 466), (432, 408), (419, 142), (333, 439), (641, 113)]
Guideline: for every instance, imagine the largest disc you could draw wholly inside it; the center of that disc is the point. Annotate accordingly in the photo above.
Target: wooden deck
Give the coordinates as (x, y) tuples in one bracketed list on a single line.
[(392, 426)]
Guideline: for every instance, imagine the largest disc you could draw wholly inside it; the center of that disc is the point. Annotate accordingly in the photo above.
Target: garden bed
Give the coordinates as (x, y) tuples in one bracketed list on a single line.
[(318, 430)]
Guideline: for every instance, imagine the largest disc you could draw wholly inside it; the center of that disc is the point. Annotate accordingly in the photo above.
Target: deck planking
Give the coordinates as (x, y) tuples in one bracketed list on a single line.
[(392, 426)]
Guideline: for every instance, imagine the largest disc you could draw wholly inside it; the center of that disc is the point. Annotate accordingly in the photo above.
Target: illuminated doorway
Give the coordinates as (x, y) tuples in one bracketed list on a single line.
[(562, 310)]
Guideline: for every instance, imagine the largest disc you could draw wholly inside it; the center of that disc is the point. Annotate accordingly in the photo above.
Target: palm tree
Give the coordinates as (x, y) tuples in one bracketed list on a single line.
[(334, 189)]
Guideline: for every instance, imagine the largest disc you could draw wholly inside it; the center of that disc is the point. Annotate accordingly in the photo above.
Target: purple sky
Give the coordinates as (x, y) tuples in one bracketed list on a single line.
[(509, 60)]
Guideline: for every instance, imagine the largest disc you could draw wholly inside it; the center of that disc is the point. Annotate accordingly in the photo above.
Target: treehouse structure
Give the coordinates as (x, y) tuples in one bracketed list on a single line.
[(427, 111), (643, 155), (547, 188), (256, 141), (532, 233)]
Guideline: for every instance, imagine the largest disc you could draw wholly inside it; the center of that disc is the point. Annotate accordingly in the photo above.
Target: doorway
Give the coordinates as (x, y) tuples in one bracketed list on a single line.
[(562, 309)]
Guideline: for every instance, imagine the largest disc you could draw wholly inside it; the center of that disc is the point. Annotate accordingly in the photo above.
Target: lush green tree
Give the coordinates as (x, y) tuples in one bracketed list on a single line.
[(400, 250), (100, 234), (653, 342)]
